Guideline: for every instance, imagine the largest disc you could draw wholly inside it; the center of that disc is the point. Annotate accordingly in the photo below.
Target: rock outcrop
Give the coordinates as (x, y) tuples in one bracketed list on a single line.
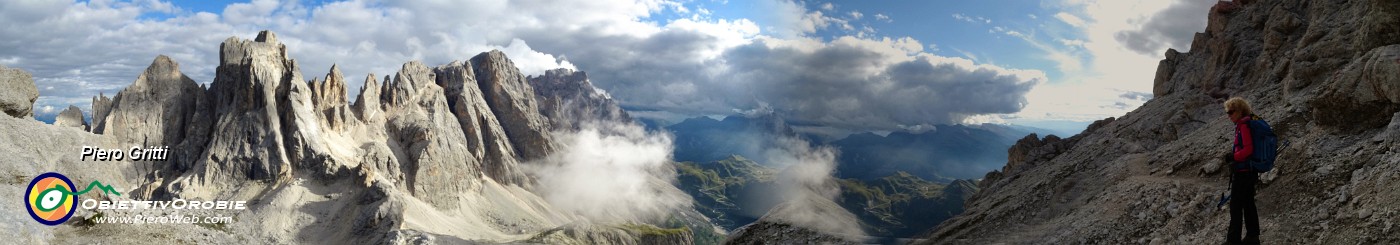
[(17, 99), (101, 105), (1322, 73), (71, 117)]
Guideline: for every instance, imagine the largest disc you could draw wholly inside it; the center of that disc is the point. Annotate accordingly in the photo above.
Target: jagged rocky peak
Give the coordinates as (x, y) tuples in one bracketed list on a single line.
[(512, 99), (328, 96), (367, 103), (101, 105), (329, 92), (154, 110), (485, 137), (17, 99), (411, 77), (427, 133), (236, 51), (260, 103), (567, 98), (71, 117)]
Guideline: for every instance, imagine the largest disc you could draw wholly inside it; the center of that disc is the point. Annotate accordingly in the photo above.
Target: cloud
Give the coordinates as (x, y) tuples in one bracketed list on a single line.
[(808, 189), (971, 19), (1118, 46), (849, 82), (95, 47), (1171, 27), (1069, 19), (690, 65), (883, 17), (611, 172), (1143, 96)]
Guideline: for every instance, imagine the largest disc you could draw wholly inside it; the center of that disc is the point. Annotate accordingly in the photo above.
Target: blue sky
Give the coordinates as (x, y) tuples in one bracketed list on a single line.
[(863, 65)]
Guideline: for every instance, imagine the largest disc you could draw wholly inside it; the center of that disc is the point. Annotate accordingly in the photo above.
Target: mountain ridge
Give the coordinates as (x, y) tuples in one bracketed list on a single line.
[(430, 154)]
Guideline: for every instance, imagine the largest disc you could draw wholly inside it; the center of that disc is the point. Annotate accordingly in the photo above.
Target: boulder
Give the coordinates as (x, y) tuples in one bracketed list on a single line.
[(17, 99)]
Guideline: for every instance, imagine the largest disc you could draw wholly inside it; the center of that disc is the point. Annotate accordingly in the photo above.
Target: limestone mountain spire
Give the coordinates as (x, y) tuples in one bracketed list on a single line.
[(512, 99), (367, 103)]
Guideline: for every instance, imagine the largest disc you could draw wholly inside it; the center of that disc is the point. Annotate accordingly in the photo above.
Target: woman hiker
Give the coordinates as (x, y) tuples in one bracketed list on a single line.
[(1242, 178)]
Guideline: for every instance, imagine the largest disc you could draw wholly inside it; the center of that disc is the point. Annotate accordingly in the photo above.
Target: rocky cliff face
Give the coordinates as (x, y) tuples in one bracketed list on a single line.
[(485, 136), (1323, 73), (513, 101), (429, 155)]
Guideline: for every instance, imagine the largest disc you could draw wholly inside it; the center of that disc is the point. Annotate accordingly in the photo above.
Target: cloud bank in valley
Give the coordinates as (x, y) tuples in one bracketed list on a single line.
[(808, 189), (611, 172)]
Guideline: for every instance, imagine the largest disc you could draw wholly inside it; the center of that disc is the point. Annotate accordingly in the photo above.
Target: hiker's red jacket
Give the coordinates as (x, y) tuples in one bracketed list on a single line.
[(1244, 144)]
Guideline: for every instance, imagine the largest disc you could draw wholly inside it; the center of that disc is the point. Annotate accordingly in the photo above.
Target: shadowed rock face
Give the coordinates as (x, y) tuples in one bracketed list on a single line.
[(255, 87), (1323, 74), (158, 109), (17, 99)]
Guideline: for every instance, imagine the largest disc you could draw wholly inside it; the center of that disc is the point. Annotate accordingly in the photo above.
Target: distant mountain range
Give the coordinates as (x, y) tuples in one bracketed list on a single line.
[(737, 191), (942, 154)]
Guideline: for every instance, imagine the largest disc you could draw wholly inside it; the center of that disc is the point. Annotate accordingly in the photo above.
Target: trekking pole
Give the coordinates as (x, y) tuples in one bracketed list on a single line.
[(1229, 191)]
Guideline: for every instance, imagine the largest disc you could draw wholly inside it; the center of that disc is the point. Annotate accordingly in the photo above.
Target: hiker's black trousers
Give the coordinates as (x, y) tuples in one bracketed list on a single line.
[(1242, 208)]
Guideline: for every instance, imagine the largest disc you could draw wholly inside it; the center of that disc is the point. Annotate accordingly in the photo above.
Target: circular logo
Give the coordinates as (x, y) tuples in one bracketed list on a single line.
[(49, 198)]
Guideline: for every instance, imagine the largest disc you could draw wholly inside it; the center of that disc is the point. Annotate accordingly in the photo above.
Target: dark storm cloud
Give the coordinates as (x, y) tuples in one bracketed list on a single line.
[(857, 83), (856, 86)]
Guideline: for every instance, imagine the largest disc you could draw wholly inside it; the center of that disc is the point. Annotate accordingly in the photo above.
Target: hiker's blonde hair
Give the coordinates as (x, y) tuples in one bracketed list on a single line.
[(1238, 104)]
